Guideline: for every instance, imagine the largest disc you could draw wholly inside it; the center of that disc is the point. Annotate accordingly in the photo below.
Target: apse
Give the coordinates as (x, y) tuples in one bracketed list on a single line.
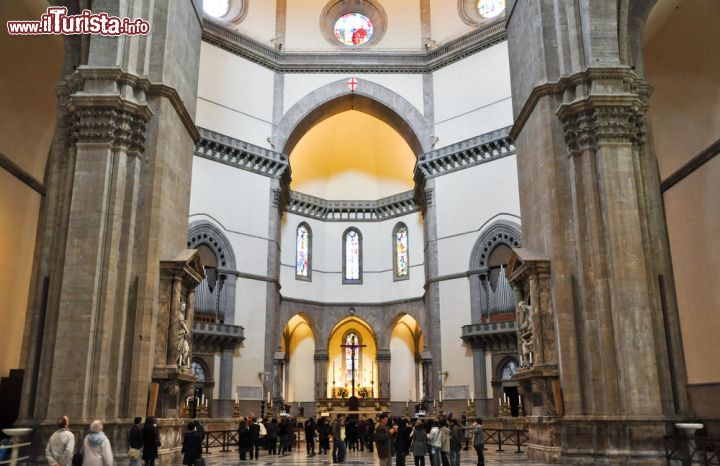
[(352, 155)]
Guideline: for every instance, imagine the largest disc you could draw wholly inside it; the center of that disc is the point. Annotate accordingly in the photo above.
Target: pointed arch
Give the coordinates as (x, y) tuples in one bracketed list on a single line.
[(369, 97), (203, 232), (303, 252), (352, 254), (500, 232)]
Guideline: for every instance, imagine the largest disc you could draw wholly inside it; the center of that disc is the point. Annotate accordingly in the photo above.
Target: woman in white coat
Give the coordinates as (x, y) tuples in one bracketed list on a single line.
[(96, 447)]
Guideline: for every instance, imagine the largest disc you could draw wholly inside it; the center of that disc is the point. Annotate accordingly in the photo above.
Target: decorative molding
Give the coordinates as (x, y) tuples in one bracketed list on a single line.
[(103, 124), (500, 232), (480, 149), (240, 154), (204, 232), (124, 83), (620, 79), (352, 211), (491, 335), (354, 61), (371, 9)]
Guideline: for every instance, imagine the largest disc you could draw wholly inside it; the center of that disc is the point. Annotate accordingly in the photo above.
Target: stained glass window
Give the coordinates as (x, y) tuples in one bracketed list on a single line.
[(491, 8), (351, 339), (401, 251), (302, 255), (216, 8), (352, 255), (353, 29)]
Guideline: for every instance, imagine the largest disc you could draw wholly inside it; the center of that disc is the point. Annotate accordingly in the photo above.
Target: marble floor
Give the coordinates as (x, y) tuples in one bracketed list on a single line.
[(467, 458)]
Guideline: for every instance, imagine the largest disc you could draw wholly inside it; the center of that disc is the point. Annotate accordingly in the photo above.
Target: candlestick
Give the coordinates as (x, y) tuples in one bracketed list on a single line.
[(468, 402), (433, 403), (268, 397), (499, 402)]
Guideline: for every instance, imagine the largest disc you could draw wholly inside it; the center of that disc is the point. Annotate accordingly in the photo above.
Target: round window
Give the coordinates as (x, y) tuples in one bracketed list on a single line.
[(490, 8), (216, 8), (353, 29)]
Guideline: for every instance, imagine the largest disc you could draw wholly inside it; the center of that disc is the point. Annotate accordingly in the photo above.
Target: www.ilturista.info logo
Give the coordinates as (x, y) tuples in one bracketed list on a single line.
[(57, 21)]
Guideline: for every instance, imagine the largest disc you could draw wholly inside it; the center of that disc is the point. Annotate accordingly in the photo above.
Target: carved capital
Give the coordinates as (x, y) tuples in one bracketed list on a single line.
[(594, 121), (116, 126)]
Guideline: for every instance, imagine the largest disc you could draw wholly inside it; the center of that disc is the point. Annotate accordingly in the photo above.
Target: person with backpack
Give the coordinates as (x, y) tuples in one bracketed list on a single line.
[(478, 441), (60, 447), (135, 442), (96, 447)]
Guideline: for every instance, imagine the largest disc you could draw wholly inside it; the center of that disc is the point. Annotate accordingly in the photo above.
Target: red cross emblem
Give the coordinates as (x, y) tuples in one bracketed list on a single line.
[(352, 84)]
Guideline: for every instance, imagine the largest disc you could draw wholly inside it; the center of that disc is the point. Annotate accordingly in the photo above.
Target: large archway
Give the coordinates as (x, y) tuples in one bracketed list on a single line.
[(299, 342), (406, 342), (368, 97), (348, 365)]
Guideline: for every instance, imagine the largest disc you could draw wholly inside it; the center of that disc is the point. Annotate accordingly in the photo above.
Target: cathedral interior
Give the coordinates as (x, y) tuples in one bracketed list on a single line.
[(313, 207)]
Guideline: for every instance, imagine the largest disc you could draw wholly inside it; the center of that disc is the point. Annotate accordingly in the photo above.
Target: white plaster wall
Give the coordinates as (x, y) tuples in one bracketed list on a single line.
[(402, 365), (445, 21), (378, 284), (250, 307), (259, 22), (234, 96), (303, 26), (301, 367), (489, 374), (454, 313), (472, 96), (467, 202), (409, 86)]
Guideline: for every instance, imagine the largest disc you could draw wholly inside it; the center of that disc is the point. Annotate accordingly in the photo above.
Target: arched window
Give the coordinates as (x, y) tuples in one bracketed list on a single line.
[(350, 362), (401, 258), (352, 256), (303, 252)]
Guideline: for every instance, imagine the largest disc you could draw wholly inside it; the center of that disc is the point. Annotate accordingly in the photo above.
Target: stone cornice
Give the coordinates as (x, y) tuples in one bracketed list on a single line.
[(624, 78), (230, 151), (361, 61), (464, 154), (124, 80), (355, 211)]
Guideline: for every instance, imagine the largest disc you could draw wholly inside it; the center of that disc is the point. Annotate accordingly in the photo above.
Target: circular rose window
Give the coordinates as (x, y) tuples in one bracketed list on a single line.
[(353, 29), (491, 8)]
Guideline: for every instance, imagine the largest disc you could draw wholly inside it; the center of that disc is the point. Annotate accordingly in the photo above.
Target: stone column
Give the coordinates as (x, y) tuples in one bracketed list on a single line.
[(589, 195), (322, 359), (479, 372), (226, 380), (278, 373), (427, 378), (383, 362), (118, 180)]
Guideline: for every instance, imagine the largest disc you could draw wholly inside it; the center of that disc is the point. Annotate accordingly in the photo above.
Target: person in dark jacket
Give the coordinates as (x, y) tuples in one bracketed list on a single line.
[(456, 439), (284, 435), (244, 441), (191, 445), (402, 442), (351, 435), (273, 430), (310, 436), (135, 442), (151, 441), (254, 429), (384, 439), (418, 440), (370, 434), (323, 428)]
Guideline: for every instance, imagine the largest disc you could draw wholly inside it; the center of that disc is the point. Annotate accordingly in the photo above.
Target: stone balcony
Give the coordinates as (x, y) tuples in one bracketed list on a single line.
[(491, 335), (211, 336)]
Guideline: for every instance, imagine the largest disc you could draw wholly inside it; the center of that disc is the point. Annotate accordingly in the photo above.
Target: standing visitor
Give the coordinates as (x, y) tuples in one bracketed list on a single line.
[(338, 434), (273, 430), (96, 447), (418, 443), (244, 441), (323, 428), (135, 442), (445, 441), (456, 439), (478, 441), (370, 434), (435, 441), (60, 447), (384, 439), (151, 441), (402, 442), (310, 436), (191, 445), (254, 431)]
